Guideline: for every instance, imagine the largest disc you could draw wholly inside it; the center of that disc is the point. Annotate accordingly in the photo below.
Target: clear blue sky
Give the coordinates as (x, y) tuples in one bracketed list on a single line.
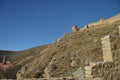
[(29, 23)]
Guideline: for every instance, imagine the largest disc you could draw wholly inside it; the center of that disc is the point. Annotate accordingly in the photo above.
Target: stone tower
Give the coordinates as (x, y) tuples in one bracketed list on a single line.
[(119, 30), (110, 47), (75, 28), (106, 48)]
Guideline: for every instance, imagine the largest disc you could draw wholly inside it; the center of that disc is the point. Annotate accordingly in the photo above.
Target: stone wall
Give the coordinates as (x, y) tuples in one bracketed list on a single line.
[(107, 70), (110, 47), (115, 46), (113, 19), (106, 48), (119, 30), (101, 21), (105, 21)]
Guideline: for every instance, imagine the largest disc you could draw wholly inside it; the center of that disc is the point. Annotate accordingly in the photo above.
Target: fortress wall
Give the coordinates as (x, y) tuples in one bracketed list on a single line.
[(113, 19), (119, 30), (106, 48), (105, 21)]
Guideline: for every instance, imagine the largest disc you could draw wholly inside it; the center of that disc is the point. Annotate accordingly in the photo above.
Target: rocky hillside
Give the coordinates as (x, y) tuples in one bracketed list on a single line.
[(19, 58), (68, 55), (71, 53), (20, 55)]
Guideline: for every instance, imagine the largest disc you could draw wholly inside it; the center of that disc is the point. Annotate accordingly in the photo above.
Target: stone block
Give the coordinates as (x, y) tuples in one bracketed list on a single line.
[(74, 63), (119, 29), (106, 47), (87, 68)]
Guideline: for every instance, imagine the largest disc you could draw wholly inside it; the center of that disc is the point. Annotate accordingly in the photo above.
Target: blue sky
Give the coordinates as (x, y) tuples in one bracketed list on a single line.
[(29, 23)]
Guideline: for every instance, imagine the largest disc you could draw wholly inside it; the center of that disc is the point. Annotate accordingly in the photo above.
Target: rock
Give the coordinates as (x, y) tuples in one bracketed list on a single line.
[(88, 68), (20, 73), (79, 72), (74, 63), (47, 73)]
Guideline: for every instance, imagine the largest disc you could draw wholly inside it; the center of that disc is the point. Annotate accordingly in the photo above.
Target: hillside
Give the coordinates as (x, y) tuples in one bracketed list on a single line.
[(20, 55), (17, 56), (70, 55), (20, 58), (3, 52)]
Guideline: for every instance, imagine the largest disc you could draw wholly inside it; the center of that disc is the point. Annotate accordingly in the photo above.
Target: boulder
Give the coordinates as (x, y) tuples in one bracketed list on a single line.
[(74, 63)]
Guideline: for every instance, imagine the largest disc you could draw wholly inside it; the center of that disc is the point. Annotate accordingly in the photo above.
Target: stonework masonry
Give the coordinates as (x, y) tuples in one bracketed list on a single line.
[(119, 30), (75, 28), (110, 47), (106, 48)]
